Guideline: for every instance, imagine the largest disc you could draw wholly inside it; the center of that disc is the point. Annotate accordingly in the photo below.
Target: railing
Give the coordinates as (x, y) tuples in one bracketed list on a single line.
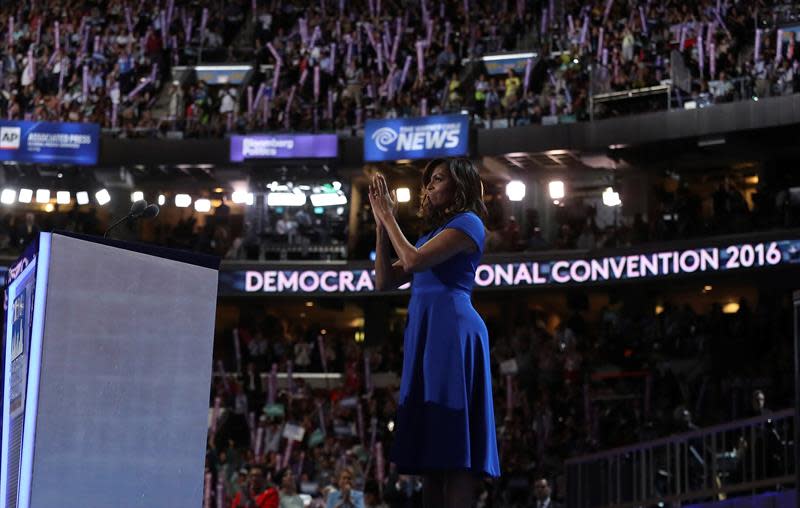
[(651, 98), (741, 457)]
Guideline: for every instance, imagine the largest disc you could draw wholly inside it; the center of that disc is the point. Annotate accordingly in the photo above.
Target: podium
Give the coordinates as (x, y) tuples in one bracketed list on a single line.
[(107, 369)]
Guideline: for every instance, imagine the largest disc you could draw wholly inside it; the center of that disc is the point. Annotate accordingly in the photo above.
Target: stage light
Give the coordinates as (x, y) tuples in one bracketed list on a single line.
[(82, 197), (328, 199), (250, 199), (390, 426), (730, 308), (42, 195), (102, 196), (239, 197), (403, 194), (183, 200), (515, 190), (8, 196), (137, 196), (286, 199), (556, 188), (62, 197), (202, 205), (162, 199), (49, 207), (611, 198), (25, 195)]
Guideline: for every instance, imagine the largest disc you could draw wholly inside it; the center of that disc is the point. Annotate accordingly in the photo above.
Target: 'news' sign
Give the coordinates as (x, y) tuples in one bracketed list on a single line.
[(416, 138)]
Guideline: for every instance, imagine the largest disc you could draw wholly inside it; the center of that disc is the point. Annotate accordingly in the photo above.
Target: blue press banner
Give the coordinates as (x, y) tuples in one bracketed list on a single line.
[(49, 142), (540, 273), (416, 138)]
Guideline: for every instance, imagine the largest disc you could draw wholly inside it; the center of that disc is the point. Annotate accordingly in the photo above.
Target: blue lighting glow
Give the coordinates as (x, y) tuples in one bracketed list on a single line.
[(14, 290)]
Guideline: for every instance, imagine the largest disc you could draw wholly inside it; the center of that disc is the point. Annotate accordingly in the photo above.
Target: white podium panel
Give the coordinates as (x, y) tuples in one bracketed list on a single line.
[(118, 380)]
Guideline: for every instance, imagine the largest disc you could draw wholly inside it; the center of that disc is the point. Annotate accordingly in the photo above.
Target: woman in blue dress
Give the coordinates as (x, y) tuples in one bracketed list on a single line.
[(445, 428)]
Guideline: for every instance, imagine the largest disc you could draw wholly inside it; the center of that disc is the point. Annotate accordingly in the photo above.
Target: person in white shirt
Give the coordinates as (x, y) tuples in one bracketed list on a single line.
[(288, 493), (227, 103)]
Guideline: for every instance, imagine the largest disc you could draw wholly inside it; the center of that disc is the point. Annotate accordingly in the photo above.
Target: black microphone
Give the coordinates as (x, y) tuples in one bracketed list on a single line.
[(150, 211), (138, 209)]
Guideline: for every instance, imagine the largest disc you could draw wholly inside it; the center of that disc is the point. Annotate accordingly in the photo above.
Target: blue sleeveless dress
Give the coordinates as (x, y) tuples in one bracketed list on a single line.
[(445, 416)]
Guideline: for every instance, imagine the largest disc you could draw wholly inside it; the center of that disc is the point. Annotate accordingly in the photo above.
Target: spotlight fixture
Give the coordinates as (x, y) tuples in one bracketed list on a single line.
[(515, 190), (202, 205), (102, 196), (183, 200), (556, 188), (8, 196), (611, 198), (403, 194)]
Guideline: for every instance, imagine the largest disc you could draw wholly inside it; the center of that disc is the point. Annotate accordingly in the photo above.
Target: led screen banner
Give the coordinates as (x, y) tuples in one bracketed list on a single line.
[(500, 66), (49, 142), (284, 146), (527, 274), (416, 138)]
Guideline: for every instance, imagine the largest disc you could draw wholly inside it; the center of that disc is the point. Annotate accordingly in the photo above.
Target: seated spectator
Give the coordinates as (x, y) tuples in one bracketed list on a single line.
[(346, 496), (257, 494), (288, 493)]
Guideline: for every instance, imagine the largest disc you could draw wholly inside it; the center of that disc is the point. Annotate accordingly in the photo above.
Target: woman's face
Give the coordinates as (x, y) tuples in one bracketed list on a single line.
[(440, 188)]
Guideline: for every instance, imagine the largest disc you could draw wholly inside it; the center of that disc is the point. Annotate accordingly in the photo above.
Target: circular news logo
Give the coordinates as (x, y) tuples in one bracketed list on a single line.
[(383, 137)]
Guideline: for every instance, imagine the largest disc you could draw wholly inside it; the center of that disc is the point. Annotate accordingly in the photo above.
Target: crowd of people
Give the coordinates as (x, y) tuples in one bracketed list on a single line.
[(703, 366), (101, 62), (332, 65)]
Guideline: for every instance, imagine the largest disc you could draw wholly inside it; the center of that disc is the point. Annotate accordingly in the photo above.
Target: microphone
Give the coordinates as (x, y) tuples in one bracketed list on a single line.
[(138, 209), (150, 211)]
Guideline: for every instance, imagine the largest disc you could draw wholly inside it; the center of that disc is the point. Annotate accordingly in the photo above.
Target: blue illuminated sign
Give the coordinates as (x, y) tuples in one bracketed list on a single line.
[(283, 146), (55, 143), (416, 138)]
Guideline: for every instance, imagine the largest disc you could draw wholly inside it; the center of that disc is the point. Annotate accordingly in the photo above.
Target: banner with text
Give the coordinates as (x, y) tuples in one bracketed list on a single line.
[(416, 138), (548, 273), (55, 143), (284, 146)]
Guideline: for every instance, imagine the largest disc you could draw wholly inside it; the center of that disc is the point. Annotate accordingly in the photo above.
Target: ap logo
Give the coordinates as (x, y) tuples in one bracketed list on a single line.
[(9, 138)]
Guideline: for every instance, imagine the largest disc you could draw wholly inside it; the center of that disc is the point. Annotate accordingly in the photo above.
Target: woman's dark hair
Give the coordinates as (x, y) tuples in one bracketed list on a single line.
[(467, 197)]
